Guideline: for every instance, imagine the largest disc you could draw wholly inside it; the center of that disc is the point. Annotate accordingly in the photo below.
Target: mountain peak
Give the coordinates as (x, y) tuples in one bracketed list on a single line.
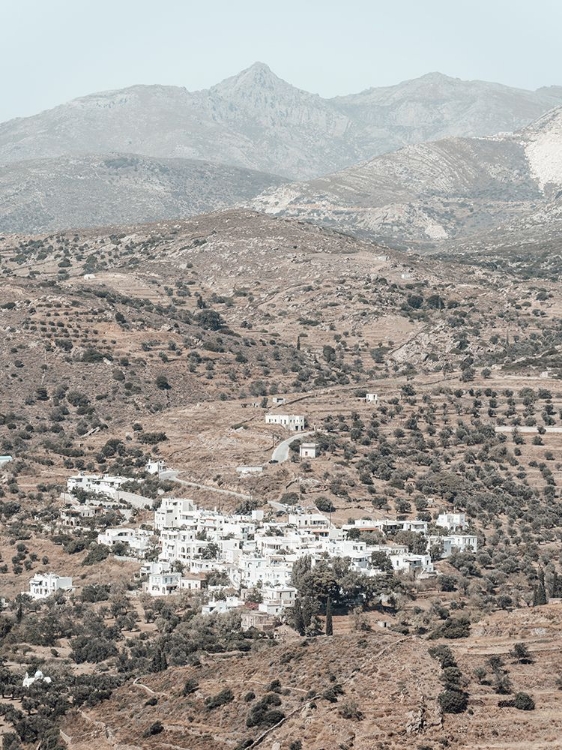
[(435, 76), (259, 75)]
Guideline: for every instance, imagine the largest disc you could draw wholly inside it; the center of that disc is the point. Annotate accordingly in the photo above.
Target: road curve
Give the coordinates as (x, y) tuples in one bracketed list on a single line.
[(281, 452)]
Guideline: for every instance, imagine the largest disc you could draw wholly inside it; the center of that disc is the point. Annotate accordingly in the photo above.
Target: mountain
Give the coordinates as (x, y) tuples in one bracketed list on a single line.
[(101, 190), (437, 106), (436, 191), (257, 121)]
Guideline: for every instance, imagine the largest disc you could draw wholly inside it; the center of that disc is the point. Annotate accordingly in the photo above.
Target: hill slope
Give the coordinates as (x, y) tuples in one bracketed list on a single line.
[(83, 191), (258, 121), (434, 191)]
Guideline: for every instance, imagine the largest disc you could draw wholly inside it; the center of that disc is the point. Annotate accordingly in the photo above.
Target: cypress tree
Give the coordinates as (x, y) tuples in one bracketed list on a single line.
[(329, 622), (307, 611), (298, 618), (159, 662), (539, 595)]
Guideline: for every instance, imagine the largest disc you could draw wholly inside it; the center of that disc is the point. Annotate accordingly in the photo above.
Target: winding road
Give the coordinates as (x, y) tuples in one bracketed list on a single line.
[(281, 452)]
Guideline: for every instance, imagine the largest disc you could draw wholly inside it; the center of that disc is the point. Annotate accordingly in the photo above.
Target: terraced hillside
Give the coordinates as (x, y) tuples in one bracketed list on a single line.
[(363, 690), (170, 341)]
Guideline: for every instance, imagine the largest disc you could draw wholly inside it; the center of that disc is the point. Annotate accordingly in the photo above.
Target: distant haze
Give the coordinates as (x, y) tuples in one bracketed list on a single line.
[(57, 50)]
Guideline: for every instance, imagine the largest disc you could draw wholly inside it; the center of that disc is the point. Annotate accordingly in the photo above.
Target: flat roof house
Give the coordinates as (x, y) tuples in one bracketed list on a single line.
[(293, 422), (43, 585)]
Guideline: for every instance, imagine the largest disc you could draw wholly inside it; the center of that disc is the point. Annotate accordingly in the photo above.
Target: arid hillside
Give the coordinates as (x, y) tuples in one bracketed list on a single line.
[(173, 341), (361, 690)]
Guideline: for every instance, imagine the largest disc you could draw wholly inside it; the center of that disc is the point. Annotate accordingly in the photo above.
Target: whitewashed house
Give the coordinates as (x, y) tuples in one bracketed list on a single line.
[(452, 521), (174, 513), (163, 584), (155, 467), (72, 516), (456, 543), (5, 460), (37, 677), (308, 450), (220, 606), (191, 582), (43, 585), (409, 563), (293, 422), (276, 599), (137, 540), (372, 398), (279, 400), (315, 523), (100, 485)]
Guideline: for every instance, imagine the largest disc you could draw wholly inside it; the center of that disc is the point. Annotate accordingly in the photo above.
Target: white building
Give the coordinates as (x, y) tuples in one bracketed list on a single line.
[(456, 543), (293, 422), (308, 450), (174, 513), (137, 540), (73, 515), (248, 470), (409, 563), (372, 398), (155, 467), (163, 583), (5, 460), (279, 400), (37, 677), (100, 485), (277, 598), (43, 585), (316, 523), (191, 582), (451, 521), (220, 606)]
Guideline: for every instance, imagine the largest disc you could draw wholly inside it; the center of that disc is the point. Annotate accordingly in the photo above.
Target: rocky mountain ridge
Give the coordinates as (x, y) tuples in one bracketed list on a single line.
[(436, 191), (256, 120)]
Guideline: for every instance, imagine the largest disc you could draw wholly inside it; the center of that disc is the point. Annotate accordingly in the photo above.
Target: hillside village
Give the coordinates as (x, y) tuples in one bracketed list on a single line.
[(281, 377), (248, 552)]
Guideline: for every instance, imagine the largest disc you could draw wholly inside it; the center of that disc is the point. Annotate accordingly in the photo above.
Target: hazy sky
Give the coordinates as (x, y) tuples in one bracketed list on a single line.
[(55, 50)]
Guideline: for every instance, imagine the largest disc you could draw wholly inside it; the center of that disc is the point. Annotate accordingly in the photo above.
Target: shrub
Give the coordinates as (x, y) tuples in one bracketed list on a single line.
[(262, 715), (97, 553), (521, 653), (220, 699), (151, 438), (190, 686), (93, 650), (453, 628), (349, 710), (324, 504), (162, 383), (156, 728), (524, 702), (331, 694), (453, 701)]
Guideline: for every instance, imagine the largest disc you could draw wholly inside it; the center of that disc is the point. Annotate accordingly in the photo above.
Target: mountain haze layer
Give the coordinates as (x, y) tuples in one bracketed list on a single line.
[(256, 120), (98, 190), (438, 190)]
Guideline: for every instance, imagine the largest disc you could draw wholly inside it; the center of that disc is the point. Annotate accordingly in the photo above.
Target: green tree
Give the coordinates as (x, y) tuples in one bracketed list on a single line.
[(162, 383), (298, 619), (329, 621)]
